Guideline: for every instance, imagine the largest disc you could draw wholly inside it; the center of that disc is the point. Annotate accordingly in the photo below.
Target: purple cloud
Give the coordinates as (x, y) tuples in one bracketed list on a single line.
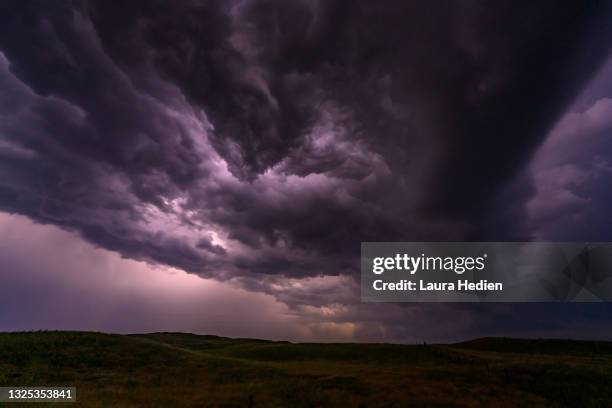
[(259, 142)]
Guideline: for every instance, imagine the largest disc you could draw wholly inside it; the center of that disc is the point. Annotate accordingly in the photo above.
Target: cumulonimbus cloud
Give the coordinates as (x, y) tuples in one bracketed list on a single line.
[(254, 138)]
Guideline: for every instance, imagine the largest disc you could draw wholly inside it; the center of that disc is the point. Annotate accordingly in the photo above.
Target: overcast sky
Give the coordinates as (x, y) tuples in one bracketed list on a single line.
[(212, 166)]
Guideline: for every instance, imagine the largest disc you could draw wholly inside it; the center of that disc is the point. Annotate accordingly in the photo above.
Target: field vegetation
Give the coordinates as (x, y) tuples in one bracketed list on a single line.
[(186, 370)]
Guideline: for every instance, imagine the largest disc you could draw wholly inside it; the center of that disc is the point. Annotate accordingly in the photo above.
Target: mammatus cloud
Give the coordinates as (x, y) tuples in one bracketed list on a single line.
[(263, 140)]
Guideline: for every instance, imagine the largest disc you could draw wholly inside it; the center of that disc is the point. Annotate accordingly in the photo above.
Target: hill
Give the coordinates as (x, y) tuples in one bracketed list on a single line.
[(177, 369), (540, 346)]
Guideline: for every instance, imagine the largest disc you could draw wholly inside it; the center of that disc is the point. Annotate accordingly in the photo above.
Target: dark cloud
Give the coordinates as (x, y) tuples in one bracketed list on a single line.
[(571, 171), (253, 138), (52, 279)]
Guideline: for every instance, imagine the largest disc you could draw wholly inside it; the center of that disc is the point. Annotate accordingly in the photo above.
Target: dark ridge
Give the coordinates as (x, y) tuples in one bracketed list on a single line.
[(537, 346)]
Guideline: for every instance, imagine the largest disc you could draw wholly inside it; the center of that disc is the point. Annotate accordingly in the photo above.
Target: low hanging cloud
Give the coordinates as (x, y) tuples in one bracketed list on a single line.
[(258, 139), (70, 285)]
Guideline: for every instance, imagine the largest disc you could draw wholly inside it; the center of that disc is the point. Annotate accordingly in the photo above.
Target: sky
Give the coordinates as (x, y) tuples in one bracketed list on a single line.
[(212, 166)]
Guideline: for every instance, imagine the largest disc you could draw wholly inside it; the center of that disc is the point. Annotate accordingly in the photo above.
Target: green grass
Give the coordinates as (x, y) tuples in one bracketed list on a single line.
[(175, 369)]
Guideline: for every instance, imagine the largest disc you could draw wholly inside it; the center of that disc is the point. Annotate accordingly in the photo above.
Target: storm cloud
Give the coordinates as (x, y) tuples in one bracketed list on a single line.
[(256, 140)]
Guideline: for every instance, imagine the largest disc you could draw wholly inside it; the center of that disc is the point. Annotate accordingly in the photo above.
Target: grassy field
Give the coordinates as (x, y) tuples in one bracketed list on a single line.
[(183, 370)]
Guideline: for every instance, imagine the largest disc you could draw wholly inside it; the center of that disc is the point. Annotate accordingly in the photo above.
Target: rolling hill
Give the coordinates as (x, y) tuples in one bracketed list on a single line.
[(178, 369)]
